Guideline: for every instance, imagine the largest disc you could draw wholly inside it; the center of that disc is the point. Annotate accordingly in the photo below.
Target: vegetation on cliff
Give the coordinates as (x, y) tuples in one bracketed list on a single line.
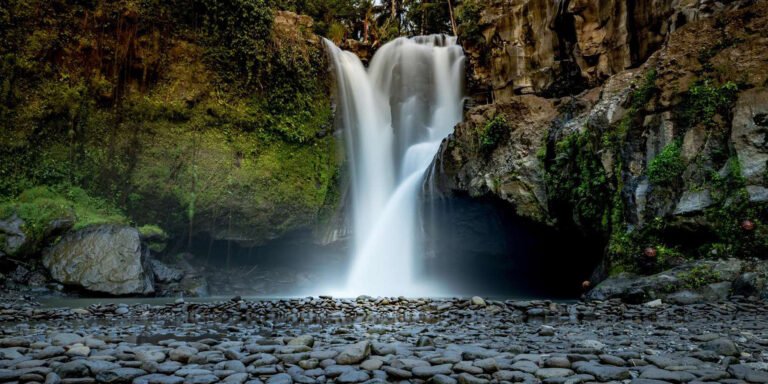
[(659, 156), (196, 117), (695, 202)]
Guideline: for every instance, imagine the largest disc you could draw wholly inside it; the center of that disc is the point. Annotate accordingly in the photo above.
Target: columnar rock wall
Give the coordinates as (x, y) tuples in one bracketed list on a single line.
[(558, 47), (659, 151)]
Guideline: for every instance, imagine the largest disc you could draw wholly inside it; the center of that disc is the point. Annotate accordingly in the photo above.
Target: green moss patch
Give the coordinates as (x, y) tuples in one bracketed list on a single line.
[(667, 166), (41, 207)]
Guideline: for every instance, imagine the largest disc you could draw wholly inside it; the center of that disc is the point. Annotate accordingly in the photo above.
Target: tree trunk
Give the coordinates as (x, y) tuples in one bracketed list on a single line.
[(453, 20)]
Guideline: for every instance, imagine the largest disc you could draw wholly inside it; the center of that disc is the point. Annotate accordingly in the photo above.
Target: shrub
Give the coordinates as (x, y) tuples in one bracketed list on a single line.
[(492, 133), (698, 276), (576, 178), (667, 166), (705, 100)]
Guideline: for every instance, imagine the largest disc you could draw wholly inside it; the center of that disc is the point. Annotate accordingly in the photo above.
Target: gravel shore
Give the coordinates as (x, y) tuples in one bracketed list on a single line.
[(324, 339)]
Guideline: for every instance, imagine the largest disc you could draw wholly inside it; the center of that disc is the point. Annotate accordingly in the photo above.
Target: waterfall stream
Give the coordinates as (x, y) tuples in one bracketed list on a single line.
[(395, 115)]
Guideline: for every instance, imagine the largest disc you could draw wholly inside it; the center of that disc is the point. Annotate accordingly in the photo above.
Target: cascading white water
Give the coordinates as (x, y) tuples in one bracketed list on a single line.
[(394, 116)]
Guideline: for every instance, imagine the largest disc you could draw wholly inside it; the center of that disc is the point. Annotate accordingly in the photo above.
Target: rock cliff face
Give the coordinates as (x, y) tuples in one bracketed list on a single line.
[(469, 162), (560, 47), (662, 152)]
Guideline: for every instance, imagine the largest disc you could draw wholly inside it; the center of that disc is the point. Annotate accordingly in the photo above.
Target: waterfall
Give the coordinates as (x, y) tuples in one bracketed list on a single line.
[(394, 116)]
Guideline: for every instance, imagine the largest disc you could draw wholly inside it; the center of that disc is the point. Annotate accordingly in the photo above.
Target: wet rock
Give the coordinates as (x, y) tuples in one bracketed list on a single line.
[(309, 364), (591, 344), (280, 378), (546, 330), (79, 350), (201, 379), (236, 378), (337, 370), (722, 346), (294, 358), (397, 373), (305, 340), (156, 378), (190, 371), (65, 339), (525, 366), (150, 355), (557, 362), (654, 373), (429, 371), (425, 341), (164, 273), (654, 303), (97, 366), (744, 372), (76, 368), (551, 373), (8, 375), (10, 354), (514, 376), (230, 365), (355, 353), (749, 284), (371, 364), (17, 341), (119, 375), (182, 354), (353, 376), (478, 301), (446, 357), (441, 379), (602, 372), (51, 378), (612, 360), (466, 378), (409, 364), (487, 365), (466, 366), (48, 352)]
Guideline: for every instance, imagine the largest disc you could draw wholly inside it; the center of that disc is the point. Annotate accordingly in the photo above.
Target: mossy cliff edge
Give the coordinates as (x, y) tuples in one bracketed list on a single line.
[(199, 117)]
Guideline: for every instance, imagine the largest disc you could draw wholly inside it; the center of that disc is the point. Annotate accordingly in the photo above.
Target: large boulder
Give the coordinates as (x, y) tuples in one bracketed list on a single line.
[(164, 273), (693, 282), (105, 258)]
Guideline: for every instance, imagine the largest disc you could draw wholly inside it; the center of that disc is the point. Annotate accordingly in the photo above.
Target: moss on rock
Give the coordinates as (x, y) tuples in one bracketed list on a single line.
[(212, 118), (48, 211)]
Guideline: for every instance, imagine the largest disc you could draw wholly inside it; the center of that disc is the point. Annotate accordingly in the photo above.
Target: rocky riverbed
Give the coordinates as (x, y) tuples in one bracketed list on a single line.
[(324, 339)]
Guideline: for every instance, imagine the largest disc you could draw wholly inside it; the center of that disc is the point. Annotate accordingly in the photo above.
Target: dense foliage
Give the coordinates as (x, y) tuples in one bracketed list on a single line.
[(667, 166)]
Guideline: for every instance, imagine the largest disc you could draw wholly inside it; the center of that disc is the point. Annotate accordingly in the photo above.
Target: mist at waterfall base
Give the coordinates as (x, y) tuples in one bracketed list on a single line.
[(406, 240)]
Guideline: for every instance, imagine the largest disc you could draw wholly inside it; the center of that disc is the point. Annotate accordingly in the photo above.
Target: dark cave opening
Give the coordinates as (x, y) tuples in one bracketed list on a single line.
[(482, 246), (475, 246)]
